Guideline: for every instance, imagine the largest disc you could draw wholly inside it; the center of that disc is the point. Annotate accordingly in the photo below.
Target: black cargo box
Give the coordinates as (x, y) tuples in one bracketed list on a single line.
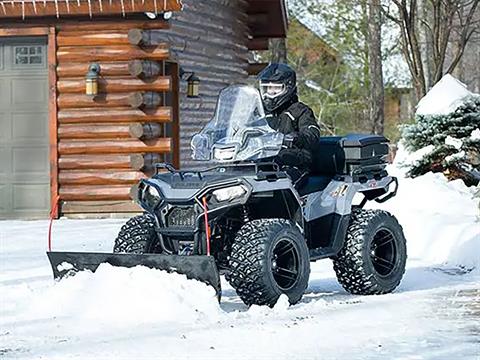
[(364, 147), (352, 154)]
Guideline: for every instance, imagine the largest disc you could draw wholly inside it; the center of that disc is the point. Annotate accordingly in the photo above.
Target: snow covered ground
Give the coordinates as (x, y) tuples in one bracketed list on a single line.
[(147, 314)]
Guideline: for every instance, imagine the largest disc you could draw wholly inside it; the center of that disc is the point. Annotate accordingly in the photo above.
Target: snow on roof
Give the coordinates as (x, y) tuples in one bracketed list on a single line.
[(444, 98)]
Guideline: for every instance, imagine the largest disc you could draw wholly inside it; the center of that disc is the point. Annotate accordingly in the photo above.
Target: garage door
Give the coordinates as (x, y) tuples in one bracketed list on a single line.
[(24, 160)]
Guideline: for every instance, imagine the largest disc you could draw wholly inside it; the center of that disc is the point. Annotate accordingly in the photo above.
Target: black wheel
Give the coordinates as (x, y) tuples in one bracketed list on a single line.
[(269, 257), (373, 257), (137, 236)]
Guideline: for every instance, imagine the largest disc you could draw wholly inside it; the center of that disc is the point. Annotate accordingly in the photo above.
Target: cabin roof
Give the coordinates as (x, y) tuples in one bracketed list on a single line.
[(268, 18), (25, 9)]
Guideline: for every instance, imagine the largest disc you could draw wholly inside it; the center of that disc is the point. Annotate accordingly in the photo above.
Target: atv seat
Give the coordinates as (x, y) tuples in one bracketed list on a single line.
[(313, 184)]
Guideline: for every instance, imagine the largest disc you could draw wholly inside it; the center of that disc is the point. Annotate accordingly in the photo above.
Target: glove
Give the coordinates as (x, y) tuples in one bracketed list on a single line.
[(294, 157), (289, 140)]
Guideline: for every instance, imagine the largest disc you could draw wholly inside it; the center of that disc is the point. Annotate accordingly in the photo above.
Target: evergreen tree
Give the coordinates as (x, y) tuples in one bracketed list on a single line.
[(454, 140)]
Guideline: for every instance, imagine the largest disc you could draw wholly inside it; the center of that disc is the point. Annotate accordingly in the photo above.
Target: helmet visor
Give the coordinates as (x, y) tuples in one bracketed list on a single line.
[(272, 90)]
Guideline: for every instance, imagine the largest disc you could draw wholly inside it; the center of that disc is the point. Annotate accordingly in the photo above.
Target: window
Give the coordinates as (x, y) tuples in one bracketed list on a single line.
[(29, 55)]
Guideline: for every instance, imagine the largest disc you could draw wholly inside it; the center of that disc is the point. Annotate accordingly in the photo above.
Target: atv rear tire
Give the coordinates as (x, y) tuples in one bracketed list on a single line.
[(136, 236), (372, 260), (269, 258)]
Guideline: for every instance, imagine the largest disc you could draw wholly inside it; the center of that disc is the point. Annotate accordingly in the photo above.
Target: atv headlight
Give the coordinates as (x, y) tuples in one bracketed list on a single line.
[(230, 193), (224, 154), (151, 196)]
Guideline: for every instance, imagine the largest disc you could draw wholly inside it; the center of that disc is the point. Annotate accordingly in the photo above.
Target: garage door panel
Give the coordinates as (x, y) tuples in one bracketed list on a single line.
[(30, 161), (5, 198), (4, 93), (5, 163), (5, 132), (30, 197), (30, 126), (2, 61), (29, 92)]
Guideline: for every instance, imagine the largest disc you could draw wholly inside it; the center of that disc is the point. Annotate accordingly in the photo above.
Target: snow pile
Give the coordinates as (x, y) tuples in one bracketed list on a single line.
[(444, 98), (124, 297), (440, 218)]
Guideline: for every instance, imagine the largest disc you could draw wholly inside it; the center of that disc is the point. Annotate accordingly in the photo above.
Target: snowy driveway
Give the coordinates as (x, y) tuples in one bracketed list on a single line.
[(146, 314)]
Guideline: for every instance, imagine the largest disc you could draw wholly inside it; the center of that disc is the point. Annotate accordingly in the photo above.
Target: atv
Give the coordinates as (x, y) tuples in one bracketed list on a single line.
[(245, 218)]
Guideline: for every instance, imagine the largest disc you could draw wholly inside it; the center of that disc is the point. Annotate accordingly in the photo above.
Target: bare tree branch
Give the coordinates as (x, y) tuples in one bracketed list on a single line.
[(445, 22)]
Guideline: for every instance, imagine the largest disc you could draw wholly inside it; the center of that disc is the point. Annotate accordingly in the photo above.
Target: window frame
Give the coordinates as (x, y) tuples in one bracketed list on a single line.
[(29, 65)]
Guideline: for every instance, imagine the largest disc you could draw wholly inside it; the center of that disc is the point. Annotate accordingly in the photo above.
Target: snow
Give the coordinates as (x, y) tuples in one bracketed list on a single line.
[(455, 157), (475, 135), (138, 313), (451, 141), (405, 160), (441, 219), (444, 98)]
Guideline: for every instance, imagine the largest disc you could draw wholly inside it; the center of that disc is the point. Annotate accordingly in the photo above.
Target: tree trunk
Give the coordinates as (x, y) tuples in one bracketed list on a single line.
[(427, 42), (279, 50), (377, 99)]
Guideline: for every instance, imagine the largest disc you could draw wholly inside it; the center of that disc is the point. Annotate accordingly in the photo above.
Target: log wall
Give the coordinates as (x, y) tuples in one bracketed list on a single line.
[(98, 151)]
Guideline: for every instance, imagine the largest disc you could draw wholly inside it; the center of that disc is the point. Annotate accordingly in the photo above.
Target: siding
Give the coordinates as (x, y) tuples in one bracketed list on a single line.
[(210, 38)]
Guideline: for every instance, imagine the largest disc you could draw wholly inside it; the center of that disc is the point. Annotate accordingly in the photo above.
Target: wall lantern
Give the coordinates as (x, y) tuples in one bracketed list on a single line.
[(193, 88), (193, 83), (91, 80)]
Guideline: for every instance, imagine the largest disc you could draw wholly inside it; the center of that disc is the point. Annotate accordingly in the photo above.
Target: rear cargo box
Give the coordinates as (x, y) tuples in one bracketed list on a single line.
[(353, 154), (364, 153), (364, 147)]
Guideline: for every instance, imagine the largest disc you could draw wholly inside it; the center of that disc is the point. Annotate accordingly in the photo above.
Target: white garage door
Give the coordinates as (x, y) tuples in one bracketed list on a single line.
[(24, 146)]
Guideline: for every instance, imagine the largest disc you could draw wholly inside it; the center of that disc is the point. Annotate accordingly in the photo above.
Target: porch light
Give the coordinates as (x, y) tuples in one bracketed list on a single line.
[(193, 88), (193, 83), (91, 80)]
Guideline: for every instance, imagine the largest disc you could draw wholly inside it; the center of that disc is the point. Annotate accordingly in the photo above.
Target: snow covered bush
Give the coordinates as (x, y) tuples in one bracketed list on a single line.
[(448, 143)]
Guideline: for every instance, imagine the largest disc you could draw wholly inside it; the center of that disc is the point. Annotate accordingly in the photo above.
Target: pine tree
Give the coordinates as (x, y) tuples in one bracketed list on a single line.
[(454, 139)]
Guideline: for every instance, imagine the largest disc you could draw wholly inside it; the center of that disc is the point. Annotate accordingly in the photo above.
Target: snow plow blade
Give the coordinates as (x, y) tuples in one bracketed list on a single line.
[(197, 267)]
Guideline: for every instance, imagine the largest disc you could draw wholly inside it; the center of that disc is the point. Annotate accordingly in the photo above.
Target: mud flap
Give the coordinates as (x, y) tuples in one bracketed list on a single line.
[(197, 267)]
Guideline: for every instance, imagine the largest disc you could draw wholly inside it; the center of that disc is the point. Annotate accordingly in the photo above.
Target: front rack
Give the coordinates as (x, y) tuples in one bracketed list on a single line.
[(259, 168)]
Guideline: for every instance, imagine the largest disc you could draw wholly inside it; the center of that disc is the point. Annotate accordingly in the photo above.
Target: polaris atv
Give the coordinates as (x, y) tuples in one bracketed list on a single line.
[(245, 218)]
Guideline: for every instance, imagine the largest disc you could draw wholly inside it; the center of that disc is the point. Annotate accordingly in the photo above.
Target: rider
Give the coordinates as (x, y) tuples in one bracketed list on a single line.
[(278, 88)]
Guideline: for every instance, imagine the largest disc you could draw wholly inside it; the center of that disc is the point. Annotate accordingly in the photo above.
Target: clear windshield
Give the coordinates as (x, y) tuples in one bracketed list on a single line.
[(238, 131)]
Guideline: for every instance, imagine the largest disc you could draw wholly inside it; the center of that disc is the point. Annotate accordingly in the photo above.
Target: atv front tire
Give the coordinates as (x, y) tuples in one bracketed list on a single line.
[(372, 260), (269, 258), (137, 236)]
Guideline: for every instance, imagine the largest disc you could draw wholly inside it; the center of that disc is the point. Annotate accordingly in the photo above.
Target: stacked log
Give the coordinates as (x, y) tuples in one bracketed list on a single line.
[(107, 143)]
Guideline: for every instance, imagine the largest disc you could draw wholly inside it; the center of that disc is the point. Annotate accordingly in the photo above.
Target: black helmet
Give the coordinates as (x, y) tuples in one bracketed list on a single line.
[(278, 86)]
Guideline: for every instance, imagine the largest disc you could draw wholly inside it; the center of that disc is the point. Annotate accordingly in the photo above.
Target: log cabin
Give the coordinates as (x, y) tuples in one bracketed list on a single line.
[(94, 92)]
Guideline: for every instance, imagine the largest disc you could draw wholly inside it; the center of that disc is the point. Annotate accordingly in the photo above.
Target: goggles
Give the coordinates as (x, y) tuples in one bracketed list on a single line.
[(272, 90)]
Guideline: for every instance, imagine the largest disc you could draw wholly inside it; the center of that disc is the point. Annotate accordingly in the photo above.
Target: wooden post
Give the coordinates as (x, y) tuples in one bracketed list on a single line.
[(173, 70), (53, 120)]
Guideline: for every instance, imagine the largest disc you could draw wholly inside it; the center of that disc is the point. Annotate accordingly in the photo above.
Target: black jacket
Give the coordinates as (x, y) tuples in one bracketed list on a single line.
[(296, 119)]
